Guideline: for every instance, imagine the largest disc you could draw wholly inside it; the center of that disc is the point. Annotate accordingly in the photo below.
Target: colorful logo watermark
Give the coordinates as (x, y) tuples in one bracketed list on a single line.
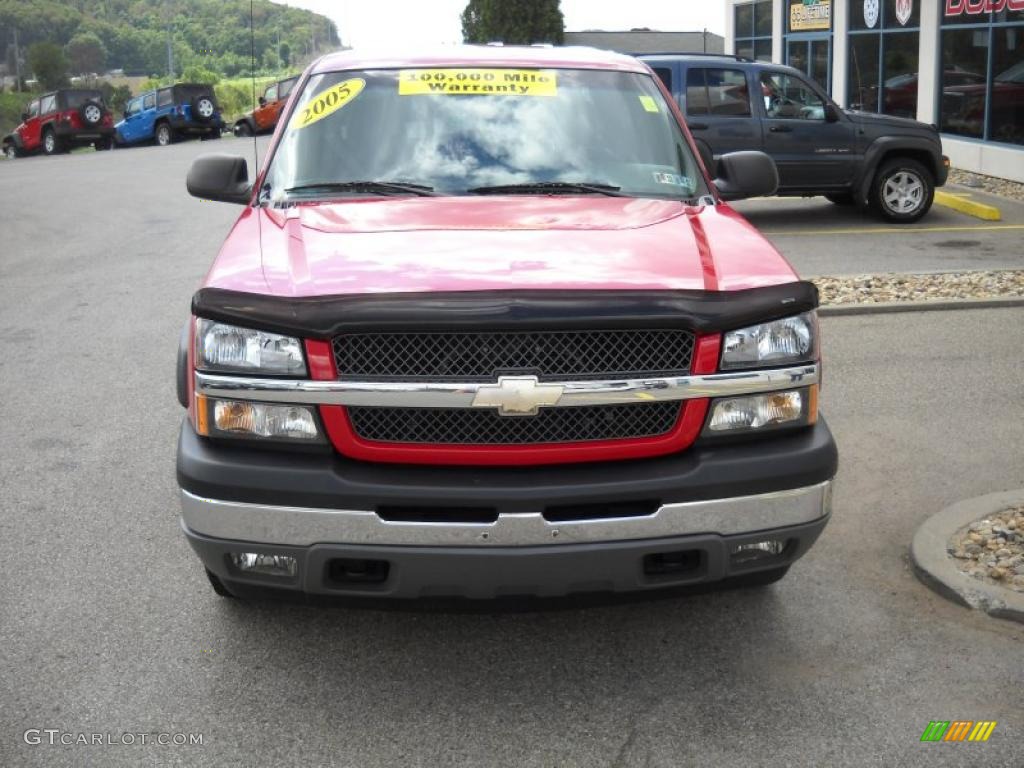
[(958, 730)]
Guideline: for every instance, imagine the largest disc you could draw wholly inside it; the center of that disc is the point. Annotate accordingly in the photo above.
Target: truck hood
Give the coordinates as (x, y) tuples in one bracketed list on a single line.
[(399, 245)]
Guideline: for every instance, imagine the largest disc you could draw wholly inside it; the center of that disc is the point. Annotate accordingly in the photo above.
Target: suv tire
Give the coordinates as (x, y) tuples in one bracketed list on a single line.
[(91, 113), (243, 129), (203, 109), (51, 144), (164, 135), (903, 190), (10, 151)]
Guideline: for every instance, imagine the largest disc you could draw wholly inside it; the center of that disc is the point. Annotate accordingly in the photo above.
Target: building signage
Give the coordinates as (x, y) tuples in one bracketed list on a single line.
[(811, 15), (870, 13), (903, 10), (978, 7)]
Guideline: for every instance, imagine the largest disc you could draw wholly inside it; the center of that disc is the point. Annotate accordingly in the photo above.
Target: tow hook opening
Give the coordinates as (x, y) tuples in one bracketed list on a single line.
[(671, 565), (345, 572)]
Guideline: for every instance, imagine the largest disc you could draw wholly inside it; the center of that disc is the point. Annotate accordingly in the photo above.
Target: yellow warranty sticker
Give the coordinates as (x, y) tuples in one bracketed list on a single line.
[(482, 82), (649, 103), (327, 102)]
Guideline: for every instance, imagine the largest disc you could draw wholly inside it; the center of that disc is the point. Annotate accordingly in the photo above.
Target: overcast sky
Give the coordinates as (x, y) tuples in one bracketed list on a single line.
[(363, 23)]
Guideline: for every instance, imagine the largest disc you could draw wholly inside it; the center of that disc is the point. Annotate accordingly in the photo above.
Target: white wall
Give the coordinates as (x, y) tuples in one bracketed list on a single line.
[(999, 160)]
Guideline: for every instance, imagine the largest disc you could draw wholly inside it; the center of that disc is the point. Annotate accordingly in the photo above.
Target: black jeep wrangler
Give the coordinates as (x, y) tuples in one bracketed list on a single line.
[(888, 163)]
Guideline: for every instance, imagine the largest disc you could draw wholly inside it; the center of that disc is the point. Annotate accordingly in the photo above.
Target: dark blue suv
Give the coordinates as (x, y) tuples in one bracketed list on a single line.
[(730, 103), (171, 113)]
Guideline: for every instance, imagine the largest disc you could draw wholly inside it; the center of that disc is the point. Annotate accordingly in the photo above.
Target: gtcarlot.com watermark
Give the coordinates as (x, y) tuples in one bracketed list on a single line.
[(57, 737)]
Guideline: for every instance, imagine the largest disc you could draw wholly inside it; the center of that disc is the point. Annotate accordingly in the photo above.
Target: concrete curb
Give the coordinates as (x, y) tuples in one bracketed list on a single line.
[(937, 570), (961, 202), (939, 305)]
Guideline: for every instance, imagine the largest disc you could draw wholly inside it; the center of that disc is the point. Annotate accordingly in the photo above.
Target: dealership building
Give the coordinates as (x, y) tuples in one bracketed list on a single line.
[(956, 63)]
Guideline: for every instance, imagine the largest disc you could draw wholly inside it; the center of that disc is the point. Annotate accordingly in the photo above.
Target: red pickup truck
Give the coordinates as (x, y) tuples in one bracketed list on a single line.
[(487, 327)]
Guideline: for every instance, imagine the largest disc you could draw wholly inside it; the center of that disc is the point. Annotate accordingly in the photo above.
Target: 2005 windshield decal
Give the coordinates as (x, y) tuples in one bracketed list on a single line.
[(327, 102), (480, 82)]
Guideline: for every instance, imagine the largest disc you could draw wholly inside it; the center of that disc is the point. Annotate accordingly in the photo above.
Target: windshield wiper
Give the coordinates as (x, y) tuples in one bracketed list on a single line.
[(549, 187), (382, 187)]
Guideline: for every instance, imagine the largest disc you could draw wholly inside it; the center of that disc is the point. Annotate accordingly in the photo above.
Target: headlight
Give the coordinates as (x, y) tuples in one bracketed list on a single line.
[(790, 340), (234, 418), (221, 347), (793, 407)]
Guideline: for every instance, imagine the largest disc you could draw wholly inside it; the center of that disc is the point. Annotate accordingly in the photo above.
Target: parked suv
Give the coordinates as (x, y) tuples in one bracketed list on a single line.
[(60, 120), (485, 327), (888, 163), (168, 114), (264, 118)]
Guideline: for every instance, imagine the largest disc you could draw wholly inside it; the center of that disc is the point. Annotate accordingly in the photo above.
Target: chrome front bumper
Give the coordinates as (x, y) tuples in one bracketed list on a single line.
[(303, 526)]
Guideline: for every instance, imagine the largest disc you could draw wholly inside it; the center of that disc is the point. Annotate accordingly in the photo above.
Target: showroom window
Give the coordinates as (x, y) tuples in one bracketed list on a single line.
[(753, 30), (808, 39), (982, 73), (883, 66)]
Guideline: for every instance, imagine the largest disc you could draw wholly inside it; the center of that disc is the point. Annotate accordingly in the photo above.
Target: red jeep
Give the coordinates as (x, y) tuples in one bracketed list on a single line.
[(58, 121), (486, 327), (264, 118)]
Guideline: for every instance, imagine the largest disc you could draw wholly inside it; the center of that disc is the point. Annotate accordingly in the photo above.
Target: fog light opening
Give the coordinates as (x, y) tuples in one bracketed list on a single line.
[(265, 565), (756, 551)]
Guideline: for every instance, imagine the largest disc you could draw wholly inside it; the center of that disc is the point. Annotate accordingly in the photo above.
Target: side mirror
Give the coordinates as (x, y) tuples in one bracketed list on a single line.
[(25, 116), (831, 113), (220, 177), (263, 101), (746, 174)]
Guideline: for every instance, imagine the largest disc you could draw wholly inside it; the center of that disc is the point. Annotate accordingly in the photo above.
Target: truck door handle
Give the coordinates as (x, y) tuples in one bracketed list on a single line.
[(698, 126), (780, 129)]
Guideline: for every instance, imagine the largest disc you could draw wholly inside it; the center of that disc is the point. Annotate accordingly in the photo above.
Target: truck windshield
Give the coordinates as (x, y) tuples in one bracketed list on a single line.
[(456, 131)]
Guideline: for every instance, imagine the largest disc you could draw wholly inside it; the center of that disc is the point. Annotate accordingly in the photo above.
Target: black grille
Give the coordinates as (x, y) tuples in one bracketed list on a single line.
[(548, 355), (485, 427)]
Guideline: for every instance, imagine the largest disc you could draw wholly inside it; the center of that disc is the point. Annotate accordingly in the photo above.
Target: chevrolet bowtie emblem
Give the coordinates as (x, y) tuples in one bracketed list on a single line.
[(517, 395)]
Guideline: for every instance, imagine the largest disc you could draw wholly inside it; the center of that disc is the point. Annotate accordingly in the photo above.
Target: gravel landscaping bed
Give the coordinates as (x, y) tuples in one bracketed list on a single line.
[(1011, 189), (875, 289), (992, 549)]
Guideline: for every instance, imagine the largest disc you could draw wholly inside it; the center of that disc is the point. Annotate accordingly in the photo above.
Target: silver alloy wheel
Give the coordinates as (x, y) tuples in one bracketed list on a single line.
[(93, 114), (205, 107), (11, 152), (50, 143), (903, 192), (163, 135)]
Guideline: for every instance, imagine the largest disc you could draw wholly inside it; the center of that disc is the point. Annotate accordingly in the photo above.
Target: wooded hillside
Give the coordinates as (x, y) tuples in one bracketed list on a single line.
[(213, 34)]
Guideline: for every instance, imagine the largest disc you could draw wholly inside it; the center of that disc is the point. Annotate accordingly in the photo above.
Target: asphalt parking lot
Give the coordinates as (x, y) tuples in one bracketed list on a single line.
[(107, 623), (820, 238)]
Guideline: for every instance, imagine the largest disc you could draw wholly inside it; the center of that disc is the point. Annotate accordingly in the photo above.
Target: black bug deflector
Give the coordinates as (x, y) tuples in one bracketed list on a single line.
[(325, 316)]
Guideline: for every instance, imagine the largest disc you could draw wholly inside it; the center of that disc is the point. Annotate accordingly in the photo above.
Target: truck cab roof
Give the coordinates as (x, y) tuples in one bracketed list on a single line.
[(570, 57)]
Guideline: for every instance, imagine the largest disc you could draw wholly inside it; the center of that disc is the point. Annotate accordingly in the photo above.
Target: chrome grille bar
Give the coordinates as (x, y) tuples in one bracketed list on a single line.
[(463, 394)]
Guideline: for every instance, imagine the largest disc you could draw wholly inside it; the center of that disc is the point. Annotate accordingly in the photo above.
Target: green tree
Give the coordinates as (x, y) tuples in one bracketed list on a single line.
[(120, 95), (86, 53), (516, 22), (48, 64), (285, 54), (197, 74), (473, 23)]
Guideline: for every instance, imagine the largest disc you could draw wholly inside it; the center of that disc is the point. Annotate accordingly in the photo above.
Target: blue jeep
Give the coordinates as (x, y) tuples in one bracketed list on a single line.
[(167, 114)]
